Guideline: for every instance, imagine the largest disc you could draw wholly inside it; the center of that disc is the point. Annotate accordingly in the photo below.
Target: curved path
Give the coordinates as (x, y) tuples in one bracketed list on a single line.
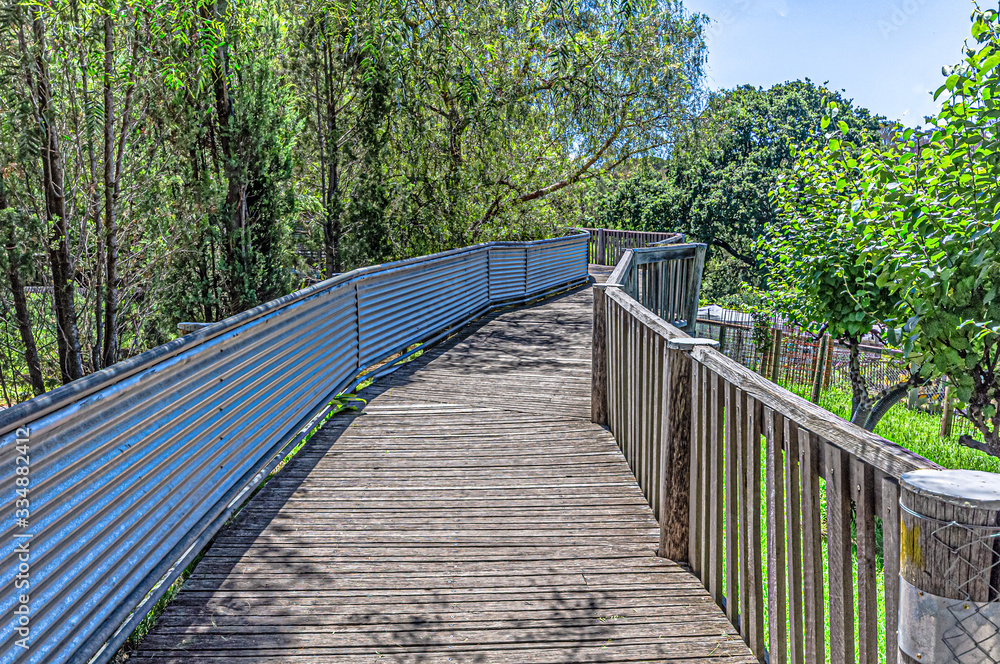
[(470, 513)]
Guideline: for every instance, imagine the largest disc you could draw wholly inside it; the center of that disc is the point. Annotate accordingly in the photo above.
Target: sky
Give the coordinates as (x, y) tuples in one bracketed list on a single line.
[(885, 54)]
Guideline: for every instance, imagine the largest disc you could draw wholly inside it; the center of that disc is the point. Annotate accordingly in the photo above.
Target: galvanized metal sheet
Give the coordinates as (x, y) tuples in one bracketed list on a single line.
[(129, 467)]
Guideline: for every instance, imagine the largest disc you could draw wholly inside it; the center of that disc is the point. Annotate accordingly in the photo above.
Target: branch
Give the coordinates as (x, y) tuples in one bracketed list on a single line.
[(749, 260), (556, 186)]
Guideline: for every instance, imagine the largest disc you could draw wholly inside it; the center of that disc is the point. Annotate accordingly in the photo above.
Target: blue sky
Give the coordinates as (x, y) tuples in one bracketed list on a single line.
[(886, 55)]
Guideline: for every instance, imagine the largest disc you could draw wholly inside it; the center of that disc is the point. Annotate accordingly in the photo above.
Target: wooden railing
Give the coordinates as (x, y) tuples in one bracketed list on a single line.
[(736, 469), (607, 245)]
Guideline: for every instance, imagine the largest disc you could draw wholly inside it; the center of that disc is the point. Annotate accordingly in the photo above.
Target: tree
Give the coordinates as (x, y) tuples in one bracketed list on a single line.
[(819, 273), (919, 214), (718, 177)]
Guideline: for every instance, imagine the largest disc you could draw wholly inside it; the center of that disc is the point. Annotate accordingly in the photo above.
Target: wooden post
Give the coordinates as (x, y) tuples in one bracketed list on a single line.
[(722, 338), (829, 362), (820, 374), (694, 289), (776, 354), (949, 595), (599, 360), (947, 413), (675, 457), (601, 245)]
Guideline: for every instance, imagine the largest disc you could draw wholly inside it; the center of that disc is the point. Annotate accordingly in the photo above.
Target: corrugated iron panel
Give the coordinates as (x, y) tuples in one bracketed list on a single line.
[(550, 260), (508, 268), (131, 467)]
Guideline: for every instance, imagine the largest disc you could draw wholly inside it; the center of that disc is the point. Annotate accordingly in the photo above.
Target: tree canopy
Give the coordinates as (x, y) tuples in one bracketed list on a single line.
[(172, 161), (715, 184), (916, 241)]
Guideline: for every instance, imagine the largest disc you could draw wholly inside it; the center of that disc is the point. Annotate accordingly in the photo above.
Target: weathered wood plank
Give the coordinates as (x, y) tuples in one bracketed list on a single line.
[(732, 503), (776, 593), (838, 519), (812, 555), (755, 561)]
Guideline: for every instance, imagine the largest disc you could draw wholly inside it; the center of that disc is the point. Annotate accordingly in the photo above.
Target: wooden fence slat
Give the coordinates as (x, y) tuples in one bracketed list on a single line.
[(863, 488), (755, 562), (658, 439), (716, 472), (890, 571), (633, 380), (838, 518), (732, 504), (642, 397), (793, 531), (704, 457), (694, 515), (776, 595), (812, 537), (746, 585)]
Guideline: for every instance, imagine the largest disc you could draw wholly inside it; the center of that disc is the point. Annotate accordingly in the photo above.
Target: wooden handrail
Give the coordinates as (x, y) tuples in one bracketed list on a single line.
[(700, 430)]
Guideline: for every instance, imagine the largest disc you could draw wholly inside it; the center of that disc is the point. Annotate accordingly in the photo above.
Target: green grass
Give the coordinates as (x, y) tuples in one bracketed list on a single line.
[(918, 432)]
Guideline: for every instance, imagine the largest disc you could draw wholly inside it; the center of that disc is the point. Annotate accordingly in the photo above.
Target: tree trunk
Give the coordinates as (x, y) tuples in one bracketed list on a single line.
[(331, 227), (110, 354), (60, 258), (861, 402), (21, 312)]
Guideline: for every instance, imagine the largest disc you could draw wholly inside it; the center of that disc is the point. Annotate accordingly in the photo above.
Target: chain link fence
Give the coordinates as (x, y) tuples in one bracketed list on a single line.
[(749, 339)]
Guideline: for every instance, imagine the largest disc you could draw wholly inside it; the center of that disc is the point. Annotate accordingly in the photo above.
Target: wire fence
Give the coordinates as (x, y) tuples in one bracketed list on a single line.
[(801, 361)]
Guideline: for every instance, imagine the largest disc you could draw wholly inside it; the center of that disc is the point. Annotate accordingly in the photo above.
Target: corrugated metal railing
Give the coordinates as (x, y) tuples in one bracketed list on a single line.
[(126, 474)]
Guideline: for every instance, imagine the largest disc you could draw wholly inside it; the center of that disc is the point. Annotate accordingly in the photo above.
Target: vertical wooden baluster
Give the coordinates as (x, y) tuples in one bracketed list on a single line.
[(796, 652), (890, 571), (715, 488), (812, 537), (620, 348), (732, 504), (617, 349), (633, 391), (755, 562), (777, 628), (863, 490), (599, 359), (609, 312), (680, 291), (661, 287), (657, 439), (838, 519), (746, 583), (645, 410), (706, 473), (694, 515)]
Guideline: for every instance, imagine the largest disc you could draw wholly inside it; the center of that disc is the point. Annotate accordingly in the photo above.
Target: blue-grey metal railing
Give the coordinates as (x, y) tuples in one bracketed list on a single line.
[(129, 472)]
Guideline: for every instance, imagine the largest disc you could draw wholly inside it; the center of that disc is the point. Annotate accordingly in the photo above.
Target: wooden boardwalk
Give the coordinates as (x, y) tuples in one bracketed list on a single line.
[(470, 513)]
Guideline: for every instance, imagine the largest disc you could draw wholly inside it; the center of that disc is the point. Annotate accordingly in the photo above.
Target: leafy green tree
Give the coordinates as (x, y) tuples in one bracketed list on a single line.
[(938, 244), (716, 183), (818, 271), (912, 228)]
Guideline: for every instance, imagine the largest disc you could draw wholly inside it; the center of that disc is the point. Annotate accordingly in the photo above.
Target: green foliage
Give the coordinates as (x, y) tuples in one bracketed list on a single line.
[(715, 185), (906, 235), (226, 153)]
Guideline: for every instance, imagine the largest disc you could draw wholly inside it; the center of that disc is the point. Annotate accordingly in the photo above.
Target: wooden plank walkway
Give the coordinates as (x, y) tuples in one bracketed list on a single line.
[(470, 513)]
